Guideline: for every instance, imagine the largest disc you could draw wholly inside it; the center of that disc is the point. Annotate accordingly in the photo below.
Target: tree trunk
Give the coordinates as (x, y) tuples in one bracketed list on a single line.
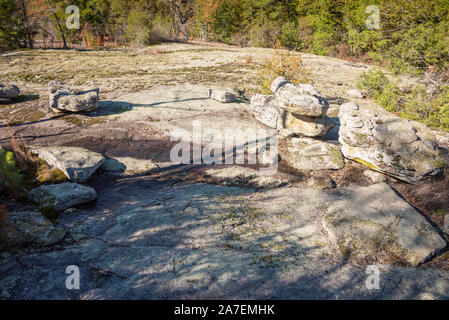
[(25, 17), (58, 23)]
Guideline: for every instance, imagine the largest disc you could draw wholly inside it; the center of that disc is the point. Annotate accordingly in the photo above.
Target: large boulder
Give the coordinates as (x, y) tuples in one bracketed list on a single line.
[(308, 126), (386, 143), (373, 222), (29, 228), (66, 98), (78, 164), (310, 154), (301, 99), (8, 91), (62, 196)]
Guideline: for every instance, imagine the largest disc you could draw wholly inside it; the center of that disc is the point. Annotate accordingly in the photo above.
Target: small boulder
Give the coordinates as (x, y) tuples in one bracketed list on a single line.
[(354, 93), (241, 176), (62, 196), (222, 96), (302, 99), (369, 222), (29, 228), (310, 154), (78, 164), (129, 165), (66, 98), (308, 126), (8, 91)]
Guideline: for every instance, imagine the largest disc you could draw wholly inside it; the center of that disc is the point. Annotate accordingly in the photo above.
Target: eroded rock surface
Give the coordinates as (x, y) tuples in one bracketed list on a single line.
[(241, 176), (369, 221), (78, 164), (222, 96), (310, 154), (8, 92), (389, 144)]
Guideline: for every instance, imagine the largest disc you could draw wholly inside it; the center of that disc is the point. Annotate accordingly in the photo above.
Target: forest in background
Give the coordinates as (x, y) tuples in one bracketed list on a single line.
[(412, 38)]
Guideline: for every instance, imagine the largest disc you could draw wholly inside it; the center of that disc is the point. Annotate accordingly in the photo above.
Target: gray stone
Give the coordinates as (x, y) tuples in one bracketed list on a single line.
[(374, 220), (308, 126), (354, 93), (265, 110), (222, 96), (78, 164), (386, 143), (310, 154), (66, 98), (9, 91), (62, 196), (376, 177), (29, 228), (130, 165), (302, 99)]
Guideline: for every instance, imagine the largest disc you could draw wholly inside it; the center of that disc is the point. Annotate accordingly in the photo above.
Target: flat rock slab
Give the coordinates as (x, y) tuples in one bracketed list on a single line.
[(29, 228), (63, 196), (367, 221), (78, 164), (130, 165)]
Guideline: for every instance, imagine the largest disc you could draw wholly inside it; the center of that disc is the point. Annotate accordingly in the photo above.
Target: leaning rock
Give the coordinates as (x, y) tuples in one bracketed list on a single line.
[(308, 126), (265, 110), (8, 91), (373, 221), (64, 97), (388, 144), (78, 164), (222, 96), (302, 99), (29, 228), (62, 196), (309, 154)]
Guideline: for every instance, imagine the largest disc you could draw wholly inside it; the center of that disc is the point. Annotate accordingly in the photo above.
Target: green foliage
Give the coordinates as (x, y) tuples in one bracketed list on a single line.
[(372, 83), (12, 28), (290, 36), (10, 173)]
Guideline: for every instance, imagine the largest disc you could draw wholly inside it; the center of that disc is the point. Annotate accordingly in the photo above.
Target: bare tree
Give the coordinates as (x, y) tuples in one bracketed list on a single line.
[(27, 27), (182, 11), (53, 8)]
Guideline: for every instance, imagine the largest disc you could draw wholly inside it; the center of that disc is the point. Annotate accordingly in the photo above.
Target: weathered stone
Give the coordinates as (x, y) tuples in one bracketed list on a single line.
[(309, 154), (388, 144), (241, 176), (376, 177), (78, 164), (354, 93), (222, 96), (302, 99), (130, 165), (29, 228), (308, 126), (265, 110), (9, 91), (373, 220), (320, 183), (62, 196), (66, 98)]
